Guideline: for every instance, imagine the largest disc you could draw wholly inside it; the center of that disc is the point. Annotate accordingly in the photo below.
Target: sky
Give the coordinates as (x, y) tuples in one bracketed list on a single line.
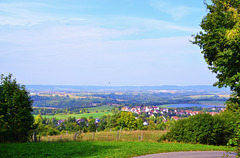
[(102, 42)]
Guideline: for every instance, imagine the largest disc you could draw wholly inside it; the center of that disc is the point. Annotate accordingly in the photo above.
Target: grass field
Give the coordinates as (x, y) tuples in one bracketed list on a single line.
[(165, 105), (208, 96), (212, 102), (100, 108), (94, 115), (201, 96), (97, 149)]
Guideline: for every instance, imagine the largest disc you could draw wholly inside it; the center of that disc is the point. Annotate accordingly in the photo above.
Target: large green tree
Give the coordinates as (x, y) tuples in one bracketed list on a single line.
[(220, 44), (16, 120)]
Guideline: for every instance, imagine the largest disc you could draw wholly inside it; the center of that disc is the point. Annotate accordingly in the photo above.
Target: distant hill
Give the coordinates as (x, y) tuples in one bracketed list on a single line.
[(123, 88)]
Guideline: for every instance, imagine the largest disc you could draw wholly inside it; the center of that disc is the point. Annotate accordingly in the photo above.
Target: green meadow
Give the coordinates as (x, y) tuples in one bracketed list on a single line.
[(98, 149), (65, 116), (212, 102), (100, 108)]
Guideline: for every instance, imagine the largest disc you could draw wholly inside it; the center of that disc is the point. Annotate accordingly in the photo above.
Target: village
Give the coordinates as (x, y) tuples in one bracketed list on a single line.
[(174, 114)]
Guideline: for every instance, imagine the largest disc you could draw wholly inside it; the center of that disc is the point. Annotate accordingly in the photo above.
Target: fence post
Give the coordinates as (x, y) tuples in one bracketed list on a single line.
[(34, 137), (93, 135), (39, 138), (75, 136), (117, 134), (139, 138), (142, 137)]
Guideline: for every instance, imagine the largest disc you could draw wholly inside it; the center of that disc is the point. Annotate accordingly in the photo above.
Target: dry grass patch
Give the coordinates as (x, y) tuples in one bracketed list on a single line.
[(124, 136)]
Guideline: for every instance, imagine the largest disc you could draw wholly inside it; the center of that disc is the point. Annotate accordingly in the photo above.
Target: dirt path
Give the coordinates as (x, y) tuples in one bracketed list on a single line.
[(192, 154)]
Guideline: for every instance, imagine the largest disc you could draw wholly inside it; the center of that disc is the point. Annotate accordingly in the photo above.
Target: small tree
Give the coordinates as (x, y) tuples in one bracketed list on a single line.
[(91, 125), (127, 120), (16, 120)]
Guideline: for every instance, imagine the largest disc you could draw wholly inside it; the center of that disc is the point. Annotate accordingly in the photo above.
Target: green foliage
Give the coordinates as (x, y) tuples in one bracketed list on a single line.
[(127, 120), (232, 121), (203, 128), (139, 123), (16, 120), (235, 141), (91, 125), (112, 120), (220, 41), (233, 104), (102, 124), (50, 131)]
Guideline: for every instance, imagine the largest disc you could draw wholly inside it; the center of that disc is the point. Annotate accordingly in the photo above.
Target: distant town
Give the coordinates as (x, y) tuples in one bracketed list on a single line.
[(174, 114)]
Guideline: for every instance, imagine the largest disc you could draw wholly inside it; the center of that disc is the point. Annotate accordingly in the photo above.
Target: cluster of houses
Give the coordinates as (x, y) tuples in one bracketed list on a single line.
[(151, 110)]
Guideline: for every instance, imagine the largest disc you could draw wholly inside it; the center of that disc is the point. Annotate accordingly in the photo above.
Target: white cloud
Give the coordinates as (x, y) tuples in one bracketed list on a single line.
[(31, 14), (86, 56)]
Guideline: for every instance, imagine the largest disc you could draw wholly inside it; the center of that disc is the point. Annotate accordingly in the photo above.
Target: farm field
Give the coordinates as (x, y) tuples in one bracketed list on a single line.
[(63, 116), (209, 96), (201, 96), (98, 149), (164, 106), (212, 102), (100, 108)]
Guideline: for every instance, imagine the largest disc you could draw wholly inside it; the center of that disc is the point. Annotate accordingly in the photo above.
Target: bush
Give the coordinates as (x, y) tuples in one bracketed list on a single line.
[(203, 128), (53, 131)]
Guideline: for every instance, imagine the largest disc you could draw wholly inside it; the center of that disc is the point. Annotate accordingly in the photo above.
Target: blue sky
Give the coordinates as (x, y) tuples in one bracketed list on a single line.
[(94, 42)]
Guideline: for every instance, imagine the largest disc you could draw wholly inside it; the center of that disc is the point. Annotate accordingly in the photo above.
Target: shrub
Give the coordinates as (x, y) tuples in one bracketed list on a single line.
[(203, 128)]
